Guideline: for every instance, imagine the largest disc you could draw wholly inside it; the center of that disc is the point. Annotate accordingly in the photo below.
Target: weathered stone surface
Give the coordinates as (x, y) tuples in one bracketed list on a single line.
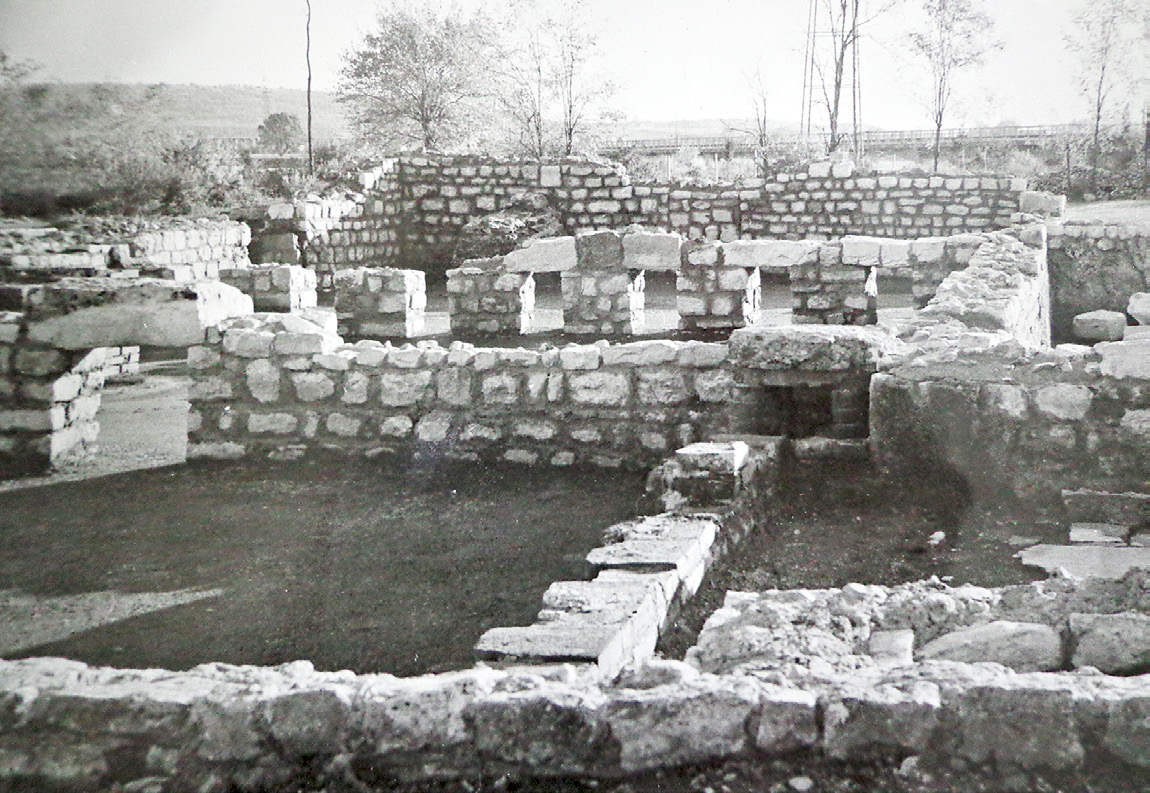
[(263, 379), (1063, 401), (1124, 359), (775, 255), (651, 250), (1128, 729), (1139, 307), (882, 717), (1108, 533), (892, 647), (1098, 506), (1099, 325), (400, 389), (599, 250), (1022, 646), (787, 720), (1086, 561), (1113, 643), (693, 722), (312, 386), (599, 388), (1018, 723), (81, 313), (812, 348)]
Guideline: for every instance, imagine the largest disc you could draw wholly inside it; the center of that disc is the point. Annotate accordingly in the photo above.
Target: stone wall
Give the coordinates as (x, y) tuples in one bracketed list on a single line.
[(414, 213), (982, 394), (274, 287), (482, 297), (1093, 266), (275, 385), (178, 249), (375, 302)]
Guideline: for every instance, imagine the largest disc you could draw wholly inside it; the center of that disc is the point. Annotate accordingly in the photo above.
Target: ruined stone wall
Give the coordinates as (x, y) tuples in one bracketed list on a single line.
[(1095, 265), (983, 395), (267, 386), (413, 216)]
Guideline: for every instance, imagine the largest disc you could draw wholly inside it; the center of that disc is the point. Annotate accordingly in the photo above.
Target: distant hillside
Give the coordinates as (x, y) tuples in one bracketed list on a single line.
[(231, 111)]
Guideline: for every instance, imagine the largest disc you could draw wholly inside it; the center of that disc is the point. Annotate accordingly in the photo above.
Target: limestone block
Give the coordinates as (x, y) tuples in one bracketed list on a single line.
[(649, 250), (1139, 307), (434, 427), (662, 387), (702, 354), (402, 389), (579, 357), (1113, 643), (550, 176), (689, 723), (344, 426), (1109, 533), (1137, 422), (787, 720), (276, 423), (880, 717), (1128, 729), (1022, 646), (865, 251), (733, 279), (312, 386), (895, 253), (1124, 359), (453, 386), (1063, 401), (263, 380), (1018, 724), (892, 647), (355, 387), (554, 255), (928, 250), (768, 254), (396, 426), (248, 343), (600, 250), (605, 389), (640, 353), (1099, 325), (715, 385)]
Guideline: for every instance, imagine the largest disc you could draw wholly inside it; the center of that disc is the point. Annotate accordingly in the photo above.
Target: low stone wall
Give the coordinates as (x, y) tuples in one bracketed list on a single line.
[(376, 302), (274, 287), (177, 249), (716, 290), (274, 384), (1095, 266)]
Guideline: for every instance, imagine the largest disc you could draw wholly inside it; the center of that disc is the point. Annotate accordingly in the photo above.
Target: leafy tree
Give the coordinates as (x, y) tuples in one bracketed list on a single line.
[(420, 77), (957, 34), (280, 133), (1104, 47)]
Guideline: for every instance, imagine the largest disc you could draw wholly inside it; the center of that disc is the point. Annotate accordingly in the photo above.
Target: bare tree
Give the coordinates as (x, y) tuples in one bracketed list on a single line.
[(957, 34), (1104, 48), (420, 77), (576, 83), (842, 23), (307, 58), (526, 95)]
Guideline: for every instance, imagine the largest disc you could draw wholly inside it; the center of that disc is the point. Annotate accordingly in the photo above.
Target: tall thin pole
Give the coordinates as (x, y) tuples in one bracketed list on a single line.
[(808, 69), (307, 56), (856, 90)]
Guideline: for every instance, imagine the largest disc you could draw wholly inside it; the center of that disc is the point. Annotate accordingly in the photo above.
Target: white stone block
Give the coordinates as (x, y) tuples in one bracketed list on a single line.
[(554, 255), (865, 251), (651, 250)]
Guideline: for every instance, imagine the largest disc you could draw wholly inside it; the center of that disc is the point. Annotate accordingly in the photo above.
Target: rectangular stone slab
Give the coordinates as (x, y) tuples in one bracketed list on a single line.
[(1086, 561)]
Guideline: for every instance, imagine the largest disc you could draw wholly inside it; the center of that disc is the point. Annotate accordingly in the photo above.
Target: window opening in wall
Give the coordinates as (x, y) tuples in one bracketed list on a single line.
[(661, 301), (548, 303), (795, 411), (775, 302)]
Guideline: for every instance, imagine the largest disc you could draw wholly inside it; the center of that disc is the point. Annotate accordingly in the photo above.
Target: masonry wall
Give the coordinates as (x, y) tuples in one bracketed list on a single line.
[(980, 393), (413, 217), (262, 389), (1095, 265)]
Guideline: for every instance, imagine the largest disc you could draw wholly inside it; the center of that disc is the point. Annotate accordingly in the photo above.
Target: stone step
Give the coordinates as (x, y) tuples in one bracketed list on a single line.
[(1086, 561), (854, 450)]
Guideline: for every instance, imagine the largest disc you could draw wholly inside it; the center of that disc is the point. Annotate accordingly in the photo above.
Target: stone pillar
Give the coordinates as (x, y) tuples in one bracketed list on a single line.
[(839, 289), (375, 302), (714, 294), (49, 405), (483, 298), (603, 302)]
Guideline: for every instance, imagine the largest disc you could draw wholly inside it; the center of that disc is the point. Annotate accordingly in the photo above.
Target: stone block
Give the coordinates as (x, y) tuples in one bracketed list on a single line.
[(649, 250), (275, 423), (775, 255), (312, 386), (604, 389), (885, 718), (865, 251), (1124, 359), (553, 255), (1095, 326), (1139, 307), (640, 353), (579, 357), (263, 380), (787, 720), (599, 250), (1022, 646), (1017, 725), (1063, 401), (403, 389), (1113, 643)]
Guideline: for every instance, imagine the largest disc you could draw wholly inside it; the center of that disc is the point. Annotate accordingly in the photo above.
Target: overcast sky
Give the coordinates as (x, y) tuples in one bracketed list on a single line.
[(671, 59)]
